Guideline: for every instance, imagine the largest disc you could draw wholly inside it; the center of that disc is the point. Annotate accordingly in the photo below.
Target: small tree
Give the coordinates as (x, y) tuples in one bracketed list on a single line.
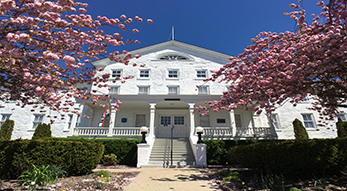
[(299, 130), (42, 130), (6, 130), (341, 128)]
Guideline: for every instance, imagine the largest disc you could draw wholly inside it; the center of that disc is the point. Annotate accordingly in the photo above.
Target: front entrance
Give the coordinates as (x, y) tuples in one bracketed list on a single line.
[(177, 122)]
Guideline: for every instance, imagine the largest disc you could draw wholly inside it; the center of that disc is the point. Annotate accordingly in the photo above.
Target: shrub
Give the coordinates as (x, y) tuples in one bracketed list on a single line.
[(109, 159), (125, 149), (341, 128), (302, 158), (299, 130), (42, 130), (77, 158), (6, 130)]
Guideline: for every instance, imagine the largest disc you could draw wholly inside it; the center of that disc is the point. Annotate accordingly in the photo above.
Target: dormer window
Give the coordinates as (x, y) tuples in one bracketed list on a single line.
[(173, 57)]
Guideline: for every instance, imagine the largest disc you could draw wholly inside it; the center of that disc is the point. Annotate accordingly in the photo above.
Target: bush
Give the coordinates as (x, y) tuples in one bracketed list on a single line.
[(341, 128), (302, 158), (299, 130), (6, 130), (216, 150), (109, 159), (125, 149), (77, 158), (42, 130)]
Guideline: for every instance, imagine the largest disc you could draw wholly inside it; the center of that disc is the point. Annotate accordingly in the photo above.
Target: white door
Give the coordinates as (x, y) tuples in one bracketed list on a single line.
[(177, 122)]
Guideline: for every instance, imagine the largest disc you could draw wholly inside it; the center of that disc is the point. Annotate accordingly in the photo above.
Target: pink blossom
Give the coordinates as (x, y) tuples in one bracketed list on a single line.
[(149, 21)]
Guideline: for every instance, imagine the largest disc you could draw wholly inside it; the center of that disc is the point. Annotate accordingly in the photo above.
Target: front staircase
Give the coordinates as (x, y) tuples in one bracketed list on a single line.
[(161, 153)]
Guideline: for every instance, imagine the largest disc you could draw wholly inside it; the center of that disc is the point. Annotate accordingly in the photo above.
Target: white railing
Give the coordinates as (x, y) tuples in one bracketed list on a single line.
[(250, 131), (91, 131), (217, 132), (104, 131)]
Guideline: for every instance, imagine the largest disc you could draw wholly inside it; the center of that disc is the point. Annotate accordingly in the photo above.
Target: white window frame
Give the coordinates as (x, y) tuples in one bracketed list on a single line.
[(143, 92), (172, 76), (38, 118), (112, 88), (172, 87), (200, 92), (200, 75), (69, 121), (4, 117), (275, 120), (116, 73), (307, 121), (238, 123), (144, 74), (342, 116)]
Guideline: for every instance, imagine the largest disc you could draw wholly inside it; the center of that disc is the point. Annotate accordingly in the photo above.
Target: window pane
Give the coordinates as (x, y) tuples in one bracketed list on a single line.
[(143, 90), (204, 121), (238, 121), (173, 74), (144, 73), (201, 73), (342, 116), (308, 120), (179, 120), (165, 120), (203, 90), (140, 120), (116, 73), (114, 90), (173, 90)]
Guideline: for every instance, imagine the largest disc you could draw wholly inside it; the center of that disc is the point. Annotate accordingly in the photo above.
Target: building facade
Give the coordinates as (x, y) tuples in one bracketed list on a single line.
[(165, 88)]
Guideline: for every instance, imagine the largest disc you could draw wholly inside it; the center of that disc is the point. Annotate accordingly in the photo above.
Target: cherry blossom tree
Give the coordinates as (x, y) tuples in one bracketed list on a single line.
[(291, 65), (46, 48)]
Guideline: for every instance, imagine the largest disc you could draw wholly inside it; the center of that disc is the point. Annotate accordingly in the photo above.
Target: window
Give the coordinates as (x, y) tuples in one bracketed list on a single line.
[(275, 121), (220, 120), (238, 122), (165, 120), (70, 120), (173, 74), (342, 116), (114, 90), (143, 90), (203, 89), (204, 121), (173, 89), (201, 73), (144, 73), (116, 73), (173, 57), (178, 120), (37, 120), (140, 120), (4, 117), (308, 120)]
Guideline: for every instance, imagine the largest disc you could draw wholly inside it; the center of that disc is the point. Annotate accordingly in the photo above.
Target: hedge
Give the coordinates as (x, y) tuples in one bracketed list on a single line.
[(216, 150), (304, 158), (125, 149), (77, 158)]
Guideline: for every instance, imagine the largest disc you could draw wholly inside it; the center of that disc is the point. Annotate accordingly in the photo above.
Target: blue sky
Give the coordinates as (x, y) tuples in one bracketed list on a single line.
[(225, 26)]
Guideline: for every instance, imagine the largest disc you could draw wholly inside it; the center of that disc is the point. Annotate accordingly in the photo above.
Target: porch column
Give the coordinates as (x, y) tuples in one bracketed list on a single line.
[(151, 119), (192, 118), (112, 122), (232, 122)]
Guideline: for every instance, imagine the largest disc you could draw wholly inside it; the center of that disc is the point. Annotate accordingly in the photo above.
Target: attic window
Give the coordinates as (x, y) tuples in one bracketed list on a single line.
[(173, 57)]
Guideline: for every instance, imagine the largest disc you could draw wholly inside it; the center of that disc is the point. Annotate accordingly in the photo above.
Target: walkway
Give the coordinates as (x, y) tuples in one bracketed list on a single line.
[(163, 179)]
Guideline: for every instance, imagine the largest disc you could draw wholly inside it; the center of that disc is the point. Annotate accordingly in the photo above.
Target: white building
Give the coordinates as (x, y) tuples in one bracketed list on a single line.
[(163, 95)]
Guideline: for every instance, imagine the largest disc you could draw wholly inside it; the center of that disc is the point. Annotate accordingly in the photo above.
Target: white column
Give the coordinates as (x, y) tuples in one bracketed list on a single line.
[(200, 157), (192, 118), (232, 122), (143, 152), (74, 119), (112, 122), (151, 119)]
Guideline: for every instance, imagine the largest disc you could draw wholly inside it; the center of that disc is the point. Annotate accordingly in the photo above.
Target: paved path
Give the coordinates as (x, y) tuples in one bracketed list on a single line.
[(162, 179)]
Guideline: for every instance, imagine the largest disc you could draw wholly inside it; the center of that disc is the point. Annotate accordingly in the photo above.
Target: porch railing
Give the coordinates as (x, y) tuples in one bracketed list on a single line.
[(104, 131), (227, 132)]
